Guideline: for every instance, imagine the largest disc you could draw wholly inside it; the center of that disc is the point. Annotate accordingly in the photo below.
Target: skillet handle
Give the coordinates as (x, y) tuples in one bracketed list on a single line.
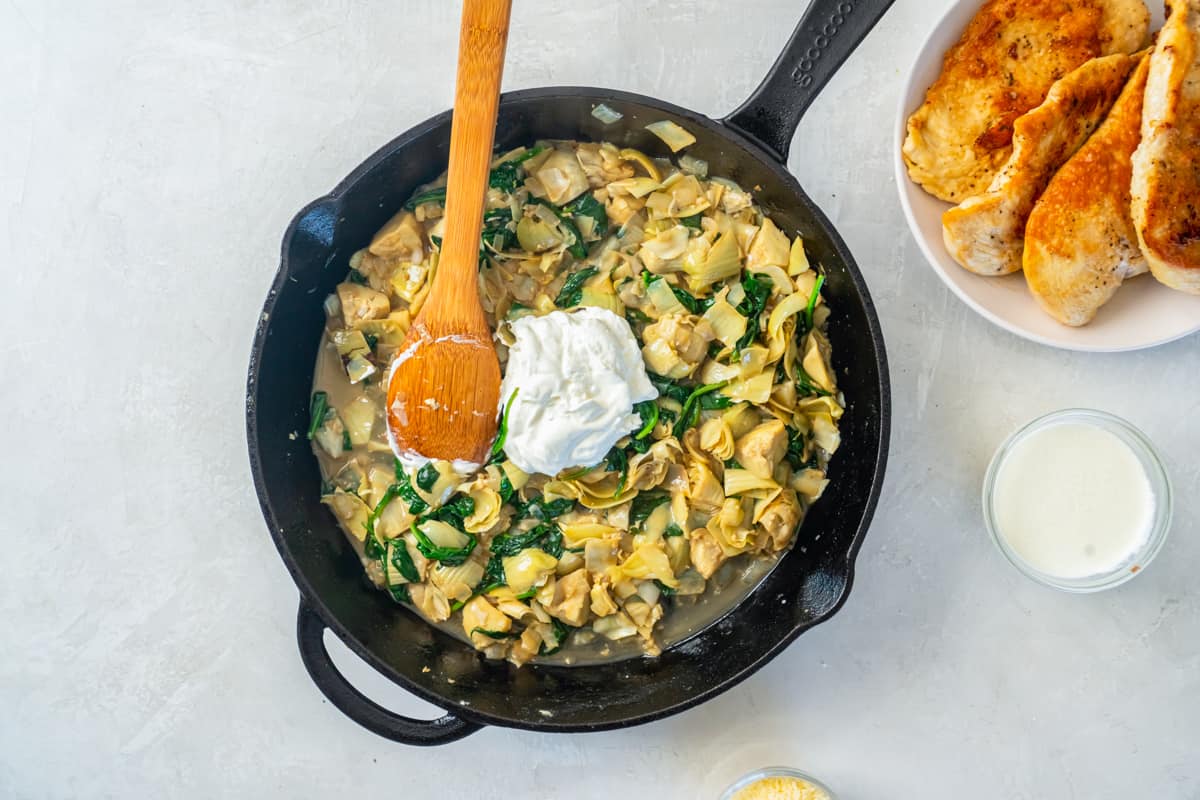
[(310, 632), (826, 36)]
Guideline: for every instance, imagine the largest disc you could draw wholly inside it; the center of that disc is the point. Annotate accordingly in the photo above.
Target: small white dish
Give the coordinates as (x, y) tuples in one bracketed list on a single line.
[(1143, 314)]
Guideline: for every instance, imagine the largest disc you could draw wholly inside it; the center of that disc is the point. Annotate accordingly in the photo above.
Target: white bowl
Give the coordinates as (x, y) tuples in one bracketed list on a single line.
[(1144, 313)]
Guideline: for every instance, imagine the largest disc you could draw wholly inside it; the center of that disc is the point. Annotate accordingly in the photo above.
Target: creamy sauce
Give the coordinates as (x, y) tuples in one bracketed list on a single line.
[(1073, 500), (576, 377)]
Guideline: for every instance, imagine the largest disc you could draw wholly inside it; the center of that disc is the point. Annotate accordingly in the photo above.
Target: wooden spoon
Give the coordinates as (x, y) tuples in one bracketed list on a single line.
[(444, 387)]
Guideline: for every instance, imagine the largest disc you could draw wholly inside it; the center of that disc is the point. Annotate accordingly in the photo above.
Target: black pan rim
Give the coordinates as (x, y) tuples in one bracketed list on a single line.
[(310, 598)]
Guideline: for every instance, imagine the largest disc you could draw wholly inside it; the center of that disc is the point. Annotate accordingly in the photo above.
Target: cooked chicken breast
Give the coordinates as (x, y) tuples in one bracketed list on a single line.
[(1166, 166), (986, 233), (1002, 66), (1079, 242)]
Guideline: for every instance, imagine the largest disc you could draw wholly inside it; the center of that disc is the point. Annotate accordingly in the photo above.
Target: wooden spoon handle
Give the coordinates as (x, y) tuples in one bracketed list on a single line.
[(481, 45)]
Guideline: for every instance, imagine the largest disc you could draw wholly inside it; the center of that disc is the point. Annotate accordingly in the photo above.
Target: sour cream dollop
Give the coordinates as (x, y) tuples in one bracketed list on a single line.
[(577, 376)]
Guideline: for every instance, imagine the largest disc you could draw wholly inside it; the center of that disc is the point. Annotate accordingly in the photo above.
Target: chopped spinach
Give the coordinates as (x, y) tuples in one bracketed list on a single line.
[(427, 476), (393, 491), (577, 247), (450, 556), (639, 445), (664, 590), (317, 409), (691, 407), (797, 444), (586, 205), (709, 402), (437, 195), (372, 340), (572, 290), (400, 593), (546, 537), (502, 431), (758, 290), (404, 488), (617, 460), (694, 305), (805, 383), (545, 510), (507, 176), (506, 487), (672, 530), (497, 232), (372, 547), (402, 561), (648, 412), (644, 505), (670, 389), (493, 575), (454, 512), (354, 276), (561, 630), (636, 315), (691, 222), (812, 303), (496, 634)]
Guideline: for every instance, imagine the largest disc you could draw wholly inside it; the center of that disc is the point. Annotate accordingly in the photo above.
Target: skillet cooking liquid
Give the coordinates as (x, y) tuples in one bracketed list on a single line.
[(1073, 500)]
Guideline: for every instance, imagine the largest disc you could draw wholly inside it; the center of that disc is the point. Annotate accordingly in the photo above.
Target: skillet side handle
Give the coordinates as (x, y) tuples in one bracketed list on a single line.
[(826, 36), (310, 632)]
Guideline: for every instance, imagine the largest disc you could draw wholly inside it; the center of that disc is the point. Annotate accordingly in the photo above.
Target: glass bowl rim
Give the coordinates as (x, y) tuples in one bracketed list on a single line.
[(774, 772), (1156, 475)]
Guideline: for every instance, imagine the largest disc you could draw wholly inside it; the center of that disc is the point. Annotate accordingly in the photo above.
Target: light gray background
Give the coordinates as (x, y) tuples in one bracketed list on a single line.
[(151, 154)]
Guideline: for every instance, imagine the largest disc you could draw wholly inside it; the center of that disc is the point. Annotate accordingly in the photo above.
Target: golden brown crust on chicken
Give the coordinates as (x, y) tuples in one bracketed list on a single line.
[(986, 233), (1079, 242), (1002, 66), (1166, 166)]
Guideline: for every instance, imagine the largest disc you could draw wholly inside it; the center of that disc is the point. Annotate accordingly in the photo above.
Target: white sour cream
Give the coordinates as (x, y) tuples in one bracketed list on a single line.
[(1073, 500), (576, 376)]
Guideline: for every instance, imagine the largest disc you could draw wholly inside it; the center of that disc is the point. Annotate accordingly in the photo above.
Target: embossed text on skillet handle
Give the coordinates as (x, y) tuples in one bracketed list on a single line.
[(826, 36)]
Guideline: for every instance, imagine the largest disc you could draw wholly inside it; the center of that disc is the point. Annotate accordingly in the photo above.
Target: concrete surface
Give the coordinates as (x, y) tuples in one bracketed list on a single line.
[(151, 154)]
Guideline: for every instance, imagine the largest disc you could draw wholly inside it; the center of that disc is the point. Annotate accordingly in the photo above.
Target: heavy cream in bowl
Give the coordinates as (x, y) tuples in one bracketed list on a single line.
[(1078, 500)]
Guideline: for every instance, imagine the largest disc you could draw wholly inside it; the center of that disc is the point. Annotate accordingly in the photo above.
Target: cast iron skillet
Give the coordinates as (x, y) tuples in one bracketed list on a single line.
[(811, 582)]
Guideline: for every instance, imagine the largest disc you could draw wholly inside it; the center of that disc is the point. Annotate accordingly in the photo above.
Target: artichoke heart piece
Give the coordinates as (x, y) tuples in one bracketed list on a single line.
[(816, 364), (529, 568), (359, 418), (674, 135), (349, 343), (769, 247), (537, 235), (724, 260)]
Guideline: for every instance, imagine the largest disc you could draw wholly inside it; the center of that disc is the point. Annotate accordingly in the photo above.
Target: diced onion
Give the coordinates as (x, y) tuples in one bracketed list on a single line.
[(606, 115), (693, 166)]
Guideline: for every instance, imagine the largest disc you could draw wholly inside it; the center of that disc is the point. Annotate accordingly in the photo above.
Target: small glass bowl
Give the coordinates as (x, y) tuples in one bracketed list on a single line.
[(1156, 474), (774, 772)]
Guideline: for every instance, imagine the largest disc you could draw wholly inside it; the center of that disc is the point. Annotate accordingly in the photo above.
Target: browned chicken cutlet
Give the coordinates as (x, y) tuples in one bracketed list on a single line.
[(1166, 165), (1003, 65), (1080, 244), (986, 233)]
